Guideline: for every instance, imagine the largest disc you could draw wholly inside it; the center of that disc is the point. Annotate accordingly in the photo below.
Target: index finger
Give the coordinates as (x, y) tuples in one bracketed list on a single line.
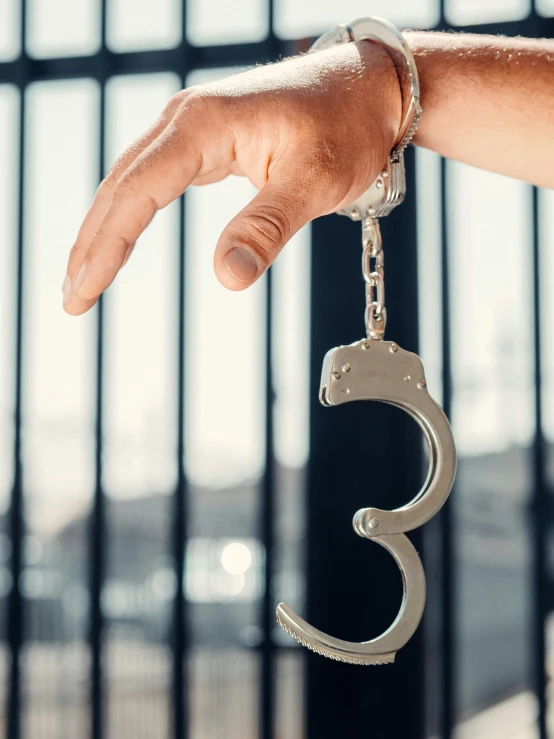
[(105, 191), (158, 176)]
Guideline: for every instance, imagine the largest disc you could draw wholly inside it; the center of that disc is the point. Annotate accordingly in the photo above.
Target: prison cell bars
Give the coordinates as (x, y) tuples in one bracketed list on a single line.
[(183, 59)]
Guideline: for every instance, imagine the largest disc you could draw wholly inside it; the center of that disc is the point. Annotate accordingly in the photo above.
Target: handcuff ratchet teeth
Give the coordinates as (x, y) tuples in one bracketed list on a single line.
[(374, 369)]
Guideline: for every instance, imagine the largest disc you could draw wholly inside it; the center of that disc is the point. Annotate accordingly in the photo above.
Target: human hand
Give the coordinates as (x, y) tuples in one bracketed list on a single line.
[(311, 133)]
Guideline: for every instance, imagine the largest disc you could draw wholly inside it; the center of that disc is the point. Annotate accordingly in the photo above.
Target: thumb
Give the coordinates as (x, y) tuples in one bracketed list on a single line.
[(254, 238)]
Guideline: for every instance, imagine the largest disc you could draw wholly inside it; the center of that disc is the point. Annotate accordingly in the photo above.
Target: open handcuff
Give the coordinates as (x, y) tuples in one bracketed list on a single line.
[(374, 369)]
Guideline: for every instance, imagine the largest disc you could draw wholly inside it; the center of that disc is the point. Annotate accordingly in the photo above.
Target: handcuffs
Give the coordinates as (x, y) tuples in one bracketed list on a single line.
[(374, 369)]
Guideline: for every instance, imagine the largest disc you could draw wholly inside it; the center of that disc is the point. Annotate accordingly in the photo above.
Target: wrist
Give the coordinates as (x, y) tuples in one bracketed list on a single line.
[(418, 41), (385, 93)]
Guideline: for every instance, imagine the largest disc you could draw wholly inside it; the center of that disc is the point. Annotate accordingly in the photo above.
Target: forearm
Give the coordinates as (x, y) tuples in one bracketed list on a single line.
[(488, 101)]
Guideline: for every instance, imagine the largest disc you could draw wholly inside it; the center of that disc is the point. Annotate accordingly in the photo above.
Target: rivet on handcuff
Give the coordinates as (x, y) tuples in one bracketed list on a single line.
[(373, 369)]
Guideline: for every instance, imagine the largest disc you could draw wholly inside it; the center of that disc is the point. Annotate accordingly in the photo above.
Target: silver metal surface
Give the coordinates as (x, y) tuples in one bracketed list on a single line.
[(388, 191), (375, 312), (381, 650), (381, 370)]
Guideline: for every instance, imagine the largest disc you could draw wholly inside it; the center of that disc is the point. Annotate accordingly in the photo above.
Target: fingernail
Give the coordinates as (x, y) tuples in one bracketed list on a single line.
[(241, 264), (79, 279), (66, 290)]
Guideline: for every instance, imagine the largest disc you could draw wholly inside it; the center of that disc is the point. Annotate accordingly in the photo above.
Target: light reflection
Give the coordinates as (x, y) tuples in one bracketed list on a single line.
[(489, 222), (142, 24), (545, 7), (236, 558), (492, 345), (58, 369), (312, 17), (140, 407), (10, 14), (225, 356), (219, 570), (219, 21), (9, 109), (465, 12), (546, 231), (58, 399), (291, 350), (429, 267), (62, 27)]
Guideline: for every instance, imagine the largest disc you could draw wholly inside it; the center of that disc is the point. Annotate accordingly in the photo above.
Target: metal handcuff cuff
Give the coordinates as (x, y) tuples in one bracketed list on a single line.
[(374, 369)]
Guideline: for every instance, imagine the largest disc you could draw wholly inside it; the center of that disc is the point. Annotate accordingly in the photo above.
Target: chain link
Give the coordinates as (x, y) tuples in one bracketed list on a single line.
[(375, 311)]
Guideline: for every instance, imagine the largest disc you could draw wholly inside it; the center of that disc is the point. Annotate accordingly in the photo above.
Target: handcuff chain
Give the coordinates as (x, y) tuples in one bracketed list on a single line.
[(372, 248)]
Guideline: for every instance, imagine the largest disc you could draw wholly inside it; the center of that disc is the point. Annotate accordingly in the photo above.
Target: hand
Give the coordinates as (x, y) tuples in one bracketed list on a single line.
[(311, 133)]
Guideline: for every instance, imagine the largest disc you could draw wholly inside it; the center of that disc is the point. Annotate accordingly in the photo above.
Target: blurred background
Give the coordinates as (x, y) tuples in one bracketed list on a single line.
[(166, 472)]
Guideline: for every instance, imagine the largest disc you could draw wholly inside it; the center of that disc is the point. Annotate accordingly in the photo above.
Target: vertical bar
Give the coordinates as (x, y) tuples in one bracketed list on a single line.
[(267, 509), (179, 645), (442, 15), (267, 516), (98, 514), (15, 615), (353, 586), (429, 304), (179, 532), (539, 501), (446, 516), (540, 496), (539, 504)]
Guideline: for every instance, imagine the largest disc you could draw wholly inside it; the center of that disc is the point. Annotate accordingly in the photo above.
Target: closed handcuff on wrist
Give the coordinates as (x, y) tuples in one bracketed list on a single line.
[(374, 369)]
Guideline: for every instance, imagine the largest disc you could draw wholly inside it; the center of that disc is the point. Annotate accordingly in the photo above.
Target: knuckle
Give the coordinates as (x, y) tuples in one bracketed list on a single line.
[(175, 101), (126, 185), (107, 185), (269, 226), (201, 101), (130, 190), (191, 99), (180, 99)]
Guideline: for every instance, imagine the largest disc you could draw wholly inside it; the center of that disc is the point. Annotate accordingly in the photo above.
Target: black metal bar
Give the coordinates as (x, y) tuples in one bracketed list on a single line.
[(179, 709), (446, 516), (15, 614), (180, 643), (539, 501), (353, 586), (267, 508), (199, 57), (134, 62), (442, 15), (447, 685), (267, 518), (97, 561)]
